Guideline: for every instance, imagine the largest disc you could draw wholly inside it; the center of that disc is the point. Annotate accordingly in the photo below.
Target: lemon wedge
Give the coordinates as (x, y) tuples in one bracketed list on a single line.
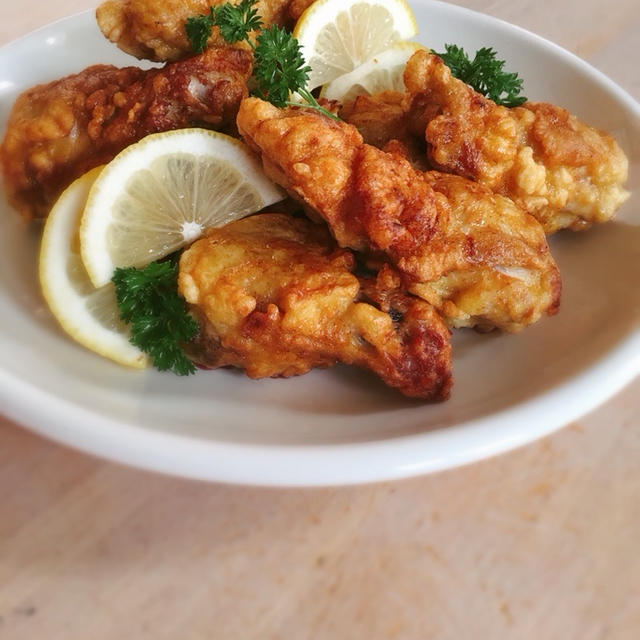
[(336, 36), (161, 193), (382, 73), (89, 315)]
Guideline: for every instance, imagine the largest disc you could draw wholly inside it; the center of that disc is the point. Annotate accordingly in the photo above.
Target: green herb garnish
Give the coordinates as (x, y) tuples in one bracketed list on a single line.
[(237, 21), (148, 301), (279, 67), (199, 28), (485, 74)]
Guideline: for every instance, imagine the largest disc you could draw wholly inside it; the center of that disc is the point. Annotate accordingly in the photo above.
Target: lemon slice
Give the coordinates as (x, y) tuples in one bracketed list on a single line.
[(159, 195), (89, 315), (336, 36), (382, 73)]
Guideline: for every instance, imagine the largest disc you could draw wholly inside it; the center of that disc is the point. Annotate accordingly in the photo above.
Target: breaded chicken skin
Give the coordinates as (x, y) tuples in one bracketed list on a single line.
[(58, 131), (558, 169), (379, 118), (499, 268), (273, 295), (474, 254)]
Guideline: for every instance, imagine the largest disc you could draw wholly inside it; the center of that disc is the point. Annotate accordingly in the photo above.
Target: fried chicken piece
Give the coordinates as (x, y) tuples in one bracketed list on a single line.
[(60, 130), (563, 172), (273, 295), (474, 254), (500, 268), (382, 119), (155, 29)]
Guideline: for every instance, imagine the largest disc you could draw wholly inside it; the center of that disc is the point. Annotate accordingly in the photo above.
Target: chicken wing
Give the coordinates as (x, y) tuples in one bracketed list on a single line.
[(273, 295), (154, 29), (563, 172), (474, 254), (58, 131)]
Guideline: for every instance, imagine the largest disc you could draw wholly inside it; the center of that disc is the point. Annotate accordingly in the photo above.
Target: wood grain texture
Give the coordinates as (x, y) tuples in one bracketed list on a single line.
[(538, 543)]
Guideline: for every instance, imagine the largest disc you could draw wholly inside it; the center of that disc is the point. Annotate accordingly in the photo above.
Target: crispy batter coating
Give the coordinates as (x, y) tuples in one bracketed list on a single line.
[(274, 296), (382, 119), (154, 29), (60, 130), (498, 268), (563, 172), (474, 254)]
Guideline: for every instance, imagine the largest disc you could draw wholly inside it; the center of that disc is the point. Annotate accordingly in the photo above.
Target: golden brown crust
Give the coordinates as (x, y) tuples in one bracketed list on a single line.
[(274, 296), (331, 147), (558, 169), (498, 265), (475, 255), (60, 130)]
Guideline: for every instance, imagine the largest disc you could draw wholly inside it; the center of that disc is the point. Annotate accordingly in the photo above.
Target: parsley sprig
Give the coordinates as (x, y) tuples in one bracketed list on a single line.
[(485, 74), (148, 301), (199, 28), (279, 67), (234, 21)]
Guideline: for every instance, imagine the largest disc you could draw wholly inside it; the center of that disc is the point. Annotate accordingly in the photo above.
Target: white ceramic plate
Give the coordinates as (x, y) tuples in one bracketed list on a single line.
[(335, 426)]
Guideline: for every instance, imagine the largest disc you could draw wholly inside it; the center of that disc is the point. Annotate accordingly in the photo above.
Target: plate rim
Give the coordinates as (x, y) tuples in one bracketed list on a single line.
[(305, 465)]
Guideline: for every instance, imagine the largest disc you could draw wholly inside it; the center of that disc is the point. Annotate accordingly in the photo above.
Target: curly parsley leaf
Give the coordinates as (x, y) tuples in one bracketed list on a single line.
[(237, 21), (485, 74), (199, 28), (148, 301), (279, 67)]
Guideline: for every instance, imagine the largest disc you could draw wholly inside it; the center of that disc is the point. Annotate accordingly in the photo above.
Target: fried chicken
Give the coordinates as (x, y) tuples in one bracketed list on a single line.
[(154, 29), (499, 266), (60, 130), (382, 118), (273, 295), (563, 172), (474, 254)]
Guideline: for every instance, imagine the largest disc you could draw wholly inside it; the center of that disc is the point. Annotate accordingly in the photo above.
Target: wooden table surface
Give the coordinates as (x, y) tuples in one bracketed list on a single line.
[(540, 543)]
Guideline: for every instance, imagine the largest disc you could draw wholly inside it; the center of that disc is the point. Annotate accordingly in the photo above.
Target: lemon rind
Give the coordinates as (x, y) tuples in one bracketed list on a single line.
[(66, 305)]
